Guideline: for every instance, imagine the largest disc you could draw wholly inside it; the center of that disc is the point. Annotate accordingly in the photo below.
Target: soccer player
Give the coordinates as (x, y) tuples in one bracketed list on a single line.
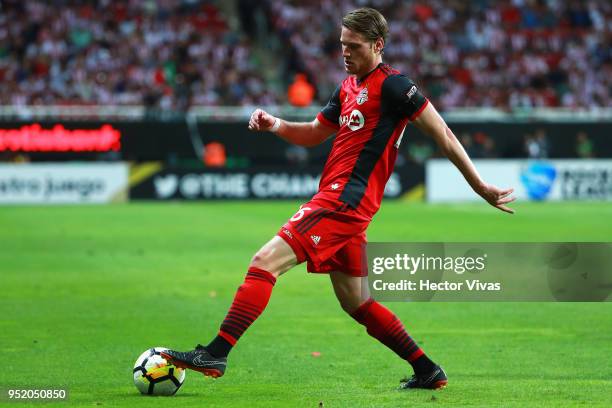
[(368, 113)]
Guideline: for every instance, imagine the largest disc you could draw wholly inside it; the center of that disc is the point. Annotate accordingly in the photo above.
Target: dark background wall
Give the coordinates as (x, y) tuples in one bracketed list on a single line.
[(171, 142)]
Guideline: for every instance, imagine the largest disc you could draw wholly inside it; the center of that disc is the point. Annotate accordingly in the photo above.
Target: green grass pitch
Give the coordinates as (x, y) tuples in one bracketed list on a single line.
[(86, 289)]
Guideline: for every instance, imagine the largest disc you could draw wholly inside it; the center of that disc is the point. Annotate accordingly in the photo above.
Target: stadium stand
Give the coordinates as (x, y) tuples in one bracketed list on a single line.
[(168, 54), (173, 54), (503, 54)]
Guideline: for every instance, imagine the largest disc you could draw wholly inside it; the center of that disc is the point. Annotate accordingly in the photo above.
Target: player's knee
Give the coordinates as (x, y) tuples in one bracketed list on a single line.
[(349, 304), (263, 260), (262, 256), (276, 257), (259, 260), (348, 308)]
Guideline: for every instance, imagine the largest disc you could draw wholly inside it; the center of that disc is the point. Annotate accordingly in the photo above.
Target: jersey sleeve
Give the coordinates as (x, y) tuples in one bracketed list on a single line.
[(330, 114), (403, 96)]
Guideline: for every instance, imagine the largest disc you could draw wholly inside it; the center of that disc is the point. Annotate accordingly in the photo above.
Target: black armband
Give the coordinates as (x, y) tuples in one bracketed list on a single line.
[(403, 96)]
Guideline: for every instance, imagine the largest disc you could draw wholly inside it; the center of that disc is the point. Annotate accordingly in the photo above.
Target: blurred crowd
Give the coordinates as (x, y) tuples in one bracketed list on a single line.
[(507, 54), (535, 145), (173, 54), (168, 54)]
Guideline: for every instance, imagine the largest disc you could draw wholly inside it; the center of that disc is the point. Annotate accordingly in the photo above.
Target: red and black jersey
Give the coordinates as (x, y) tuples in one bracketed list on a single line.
[(370, 114)]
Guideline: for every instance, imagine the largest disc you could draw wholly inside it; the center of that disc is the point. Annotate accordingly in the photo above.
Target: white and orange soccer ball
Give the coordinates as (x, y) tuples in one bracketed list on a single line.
[(153, 375)]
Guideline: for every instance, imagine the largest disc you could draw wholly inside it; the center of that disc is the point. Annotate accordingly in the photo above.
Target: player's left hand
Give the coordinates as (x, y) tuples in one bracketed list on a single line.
[(497, 197)]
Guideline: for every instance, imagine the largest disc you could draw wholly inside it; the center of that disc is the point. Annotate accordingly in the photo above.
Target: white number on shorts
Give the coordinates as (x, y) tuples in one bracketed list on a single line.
[(300, 214)]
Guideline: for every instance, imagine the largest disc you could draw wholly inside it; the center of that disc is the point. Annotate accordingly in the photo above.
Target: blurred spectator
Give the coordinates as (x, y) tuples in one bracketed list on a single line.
[(531, 147), (542, 141), (297, 155), (470, 147), (214, 155), (249, 11), (478, 145), (419, 151), (300, 92), (484, 146), (490, 152), (536, 145), (584, 146)]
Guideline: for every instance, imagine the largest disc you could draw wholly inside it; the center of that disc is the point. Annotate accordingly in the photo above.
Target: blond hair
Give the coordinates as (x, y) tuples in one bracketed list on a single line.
[(368, 22)]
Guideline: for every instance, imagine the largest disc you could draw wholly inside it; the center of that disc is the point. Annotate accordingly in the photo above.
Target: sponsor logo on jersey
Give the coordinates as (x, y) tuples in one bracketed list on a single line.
[(335, 186), (315, 239), (354, 121), (411, 92), (362, 97)]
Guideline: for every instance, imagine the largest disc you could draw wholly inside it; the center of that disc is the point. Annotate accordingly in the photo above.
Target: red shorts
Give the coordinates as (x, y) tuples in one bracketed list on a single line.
[(330, 239)]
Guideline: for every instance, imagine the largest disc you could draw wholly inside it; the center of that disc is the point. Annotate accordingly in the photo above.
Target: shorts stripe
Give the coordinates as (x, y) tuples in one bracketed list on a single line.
[(343, 207), (313, 221), (308, 217)]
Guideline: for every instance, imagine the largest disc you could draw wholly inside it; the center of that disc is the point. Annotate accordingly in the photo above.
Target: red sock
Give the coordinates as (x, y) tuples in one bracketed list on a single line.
[(384, 326), (251, 299)]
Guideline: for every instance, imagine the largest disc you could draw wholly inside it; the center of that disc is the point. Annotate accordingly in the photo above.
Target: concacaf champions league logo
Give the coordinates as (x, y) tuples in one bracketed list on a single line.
[(362, 97)]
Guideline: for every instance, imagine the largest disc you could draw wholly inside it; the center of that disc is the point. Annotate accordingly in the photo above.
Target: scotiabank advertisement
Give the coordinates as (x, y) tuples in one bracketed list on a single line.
[(35, 138), (69, 183), (554, 180)]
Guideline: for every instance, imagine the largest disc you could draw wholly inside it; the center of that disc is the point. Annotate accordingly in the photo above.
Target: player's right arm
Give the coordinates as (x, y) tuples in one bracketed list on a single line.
[(299, 133)]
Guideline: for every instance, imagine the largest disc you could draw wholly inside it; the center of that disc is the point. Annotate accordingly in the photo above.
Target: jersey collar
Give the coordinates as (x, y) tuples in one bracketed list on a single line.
[(363, 78)]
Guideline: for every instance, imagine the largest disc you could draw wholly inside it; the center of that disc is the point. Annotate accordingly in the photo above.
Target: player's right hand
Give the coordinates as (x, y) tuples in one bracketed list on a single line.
[(261, 120)]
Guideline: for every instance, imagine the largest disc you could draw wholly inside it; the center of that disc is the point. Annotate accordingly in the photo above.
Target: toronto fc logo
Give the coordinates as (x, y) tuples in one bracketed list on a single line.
[(362, 97)]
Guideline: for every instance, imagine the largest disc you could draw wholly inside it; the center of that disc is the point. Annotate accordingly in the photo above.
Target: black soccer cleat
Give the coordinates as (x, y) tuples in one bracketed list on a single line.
[(432, 381), (198, 359)]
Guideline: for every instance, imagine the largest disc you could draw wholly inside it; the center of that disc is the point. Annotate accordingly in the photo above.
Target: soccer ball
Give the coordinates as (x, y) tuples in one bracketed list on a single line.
[(154, 376)]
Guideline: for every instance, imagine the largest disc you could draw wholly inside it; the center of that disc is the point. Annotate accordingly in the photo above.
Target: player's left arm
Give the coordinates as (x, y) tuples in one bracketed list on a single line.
[(408, 101), (431, 123)]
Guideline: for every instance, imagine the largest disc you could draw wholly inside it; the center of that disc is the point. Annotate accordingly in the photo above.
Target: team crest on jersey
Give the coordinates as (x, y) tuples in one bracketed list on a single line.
[(362, 97)]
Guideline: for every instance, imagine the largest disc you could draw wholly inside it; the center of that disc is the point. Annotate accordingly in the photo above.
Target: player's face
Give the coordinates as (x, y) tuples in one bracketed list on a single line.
[(360, 55)]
